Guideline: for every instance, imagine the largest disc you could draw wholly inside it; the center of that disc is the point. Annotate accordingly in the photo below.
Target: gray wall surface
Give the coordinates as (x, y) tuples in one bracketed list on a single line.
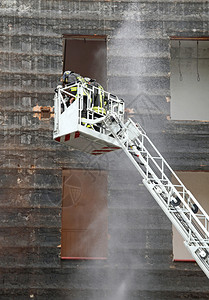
[(189, 80), (139, 264)]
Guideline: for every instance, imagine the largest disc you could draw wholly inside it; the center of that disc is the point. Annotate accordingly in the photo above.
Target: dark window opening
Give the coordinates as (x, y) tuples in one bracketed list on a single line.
[(86, 55), (84, 214)]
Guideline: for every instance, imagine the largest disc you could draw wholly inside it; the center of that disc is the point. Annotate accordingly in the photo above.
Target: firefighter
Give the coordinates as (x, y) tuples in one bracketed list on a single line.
[(97, 100), (70, 78), (98, 97)]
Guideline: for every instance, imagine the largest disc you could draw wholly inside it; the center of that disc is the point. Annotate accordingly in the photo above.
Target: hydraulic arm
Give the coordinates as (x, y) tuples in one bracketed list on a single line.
[(97, 133), (181, 207)]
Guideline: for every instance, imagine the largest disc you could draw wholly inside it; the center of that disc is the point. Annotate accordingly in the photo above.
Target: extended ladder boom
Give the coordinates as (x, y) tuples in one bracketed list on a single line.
[(79, 126), (181, 207)]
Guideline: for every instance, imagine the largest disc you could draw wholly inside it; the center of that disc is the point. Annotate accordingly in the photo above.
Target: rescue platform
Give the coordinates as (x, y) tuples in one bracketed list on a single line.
[(79, 125)]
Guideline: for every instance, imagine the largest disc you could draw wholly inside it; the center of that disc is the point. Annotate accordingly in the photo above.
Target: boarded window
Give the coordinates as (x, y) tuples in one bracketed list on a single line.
[(189, 79), (197, 183), (86, 55), (84, 214)]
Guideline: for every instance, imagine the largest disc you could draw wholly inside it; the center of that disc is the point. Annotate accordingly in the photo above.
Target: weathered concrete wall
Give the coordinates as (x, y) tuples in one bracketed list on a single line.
[(140, 264)]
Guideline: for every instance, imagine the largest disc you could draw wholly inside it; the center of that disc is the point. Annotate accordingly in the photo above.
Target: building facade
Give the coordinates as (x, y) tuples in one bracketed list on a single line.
[(145, 43)]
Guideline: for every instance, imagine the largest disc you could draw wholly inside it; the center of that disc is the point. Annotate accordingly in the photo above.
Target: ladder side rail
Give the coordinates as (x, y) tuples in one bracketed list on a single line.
[(184, 216), (195, 245), (170, 212), (185, 192), (148, 156), (143, 174), (124, 146), (176, 177), (187, 215), (193, 234), (154, 159), (159, 169), (190, 231), (203, 213), (144, 162), (157, 152)]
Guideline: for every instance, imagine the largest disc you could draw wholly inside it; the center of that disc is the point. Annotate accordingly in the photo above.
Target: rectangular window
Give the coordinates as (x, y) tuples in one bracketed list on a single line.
[(189, 79), (197, 183), (86, 55), (84, 214)]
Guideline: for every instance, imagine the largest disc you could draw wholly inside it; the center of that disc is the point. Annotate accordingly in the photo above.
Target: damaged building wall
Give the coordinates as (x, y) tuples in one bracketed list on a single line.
[(139, 264)]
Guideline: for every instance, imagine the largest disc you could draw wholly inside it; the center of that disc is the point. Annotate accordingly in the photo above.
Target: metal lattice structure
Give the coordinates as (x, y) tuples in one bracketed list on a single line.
[(79, 125), (178, 203)]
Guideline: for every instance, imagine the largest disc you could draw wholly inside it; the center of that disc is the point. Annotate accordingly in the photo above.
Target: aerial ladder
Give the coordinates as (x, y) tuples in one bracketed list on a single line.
[(91, 130)]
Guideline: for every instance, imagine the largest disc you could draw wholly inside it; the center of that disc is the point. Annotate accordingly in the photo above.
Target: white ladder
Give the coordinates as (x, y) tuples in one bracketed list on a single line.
[(181, 207)]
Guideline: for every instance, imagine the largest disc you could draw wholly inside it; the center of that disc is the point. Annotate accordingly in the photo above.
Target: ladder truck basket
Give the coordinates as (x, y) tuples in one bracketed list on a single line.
[(79, 123)]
